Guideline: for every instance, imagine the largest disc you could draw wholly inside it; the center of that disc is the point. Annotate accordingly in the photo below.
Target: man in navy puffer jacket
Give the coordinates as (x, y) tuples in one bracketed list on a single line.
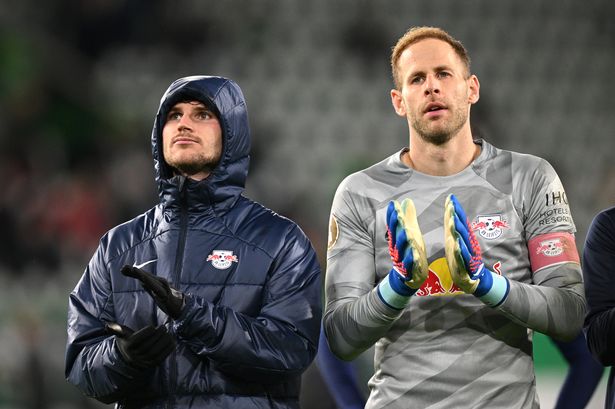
[(207, 300)]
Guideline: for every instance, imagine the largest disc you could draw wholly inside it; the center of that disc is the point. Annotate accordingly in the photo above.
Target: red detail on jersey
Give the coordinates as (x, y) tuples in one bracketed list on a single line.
[(500, 224), (431, 286), (479, 225), (551, 249)]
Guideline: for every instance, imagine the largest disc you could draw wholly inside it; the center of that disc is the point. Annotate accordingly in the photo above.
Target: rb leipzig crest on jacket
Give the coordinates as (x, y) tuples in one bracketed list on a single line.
[(222, 259), (489, 227)]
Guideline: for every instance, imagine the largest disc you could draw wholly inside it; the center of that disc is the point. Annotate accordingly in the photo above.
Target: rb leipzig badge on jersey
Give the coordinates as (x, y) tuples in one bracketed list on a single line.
[(222, 259), (489, 227), (551, 248)]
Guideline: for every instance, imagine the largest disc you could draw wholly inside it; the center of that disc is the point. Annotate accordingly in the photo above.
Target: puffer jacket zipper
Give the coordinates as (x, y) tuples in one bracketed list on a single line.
[(177, 269)]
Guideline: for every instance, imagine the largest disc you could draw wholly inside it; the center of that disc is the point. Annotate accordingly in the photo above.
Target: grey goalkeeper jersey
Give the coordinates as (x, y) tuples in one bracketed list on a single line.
[(447, 349)]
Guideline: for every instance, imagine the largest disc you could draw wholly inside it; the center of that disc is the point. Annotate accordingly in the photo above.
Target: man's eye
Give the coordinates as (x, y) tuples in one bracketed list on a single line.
[(443, 74), (174, 116), (416, 80)]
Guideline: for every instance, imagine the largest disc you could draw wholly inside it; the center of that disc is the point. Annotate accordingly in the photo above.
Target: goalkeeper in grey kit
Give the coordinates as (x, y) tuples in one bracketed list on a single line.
[(443, 255)]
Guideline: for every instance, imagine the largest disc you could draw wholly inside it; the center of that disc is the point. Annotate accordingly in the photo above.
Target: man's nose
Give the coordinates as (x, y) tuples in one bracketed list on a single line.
[(184, 122), (432, 85)]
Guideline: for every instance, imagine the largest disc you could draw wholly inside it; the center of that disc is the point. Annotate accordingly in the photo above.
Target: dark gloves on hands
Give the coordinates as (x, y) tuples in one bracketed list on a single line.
[(144, 348), (150, 345), (168, 299)]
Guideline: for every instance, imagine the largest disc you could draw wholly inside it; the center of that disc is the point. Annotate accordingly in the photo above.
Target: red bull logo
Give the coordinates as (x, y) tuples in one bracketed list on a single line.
[(222, 259), (439, 281), (550, 248), (490, 227)]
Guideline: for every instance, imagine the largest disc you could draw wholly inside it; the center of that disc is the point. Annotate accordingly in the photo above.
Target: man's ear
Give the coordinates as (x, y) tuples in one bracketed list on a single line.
[(473, 89), (398, 102)]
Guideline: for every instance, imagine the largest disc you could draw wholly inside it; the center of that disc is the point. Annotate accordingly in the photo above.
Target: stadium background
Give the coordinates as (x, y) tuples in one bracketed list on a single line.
[(80, 82)]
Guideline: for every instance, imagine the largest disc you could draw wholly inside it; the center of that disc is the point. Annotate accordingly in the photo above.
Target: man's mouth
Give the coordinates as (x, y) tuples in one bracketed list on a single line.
[(434, 107), (181, 140)]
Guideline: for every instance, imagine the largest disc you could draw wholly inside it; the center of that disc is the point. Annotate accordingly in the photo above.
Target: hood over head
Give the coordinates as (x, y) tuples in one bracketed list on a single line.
[(226, 100)]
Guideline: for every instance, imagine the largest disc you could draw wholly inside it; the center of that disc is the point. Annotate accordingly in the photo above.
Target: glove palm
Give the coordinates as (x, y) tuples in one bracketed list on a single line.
[(407, 251), (406, 245), (464, 257)]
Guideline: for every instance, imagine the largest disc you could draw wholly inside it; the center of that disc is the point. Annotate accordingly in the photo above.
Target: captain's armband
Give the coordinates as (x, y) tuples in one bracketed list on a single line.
[(551, 249)]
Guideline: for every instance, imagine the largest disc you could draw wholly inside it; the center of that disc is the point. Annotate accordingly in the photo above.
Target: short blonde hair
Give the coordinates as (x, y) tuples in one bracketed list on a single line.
[(416, 34)]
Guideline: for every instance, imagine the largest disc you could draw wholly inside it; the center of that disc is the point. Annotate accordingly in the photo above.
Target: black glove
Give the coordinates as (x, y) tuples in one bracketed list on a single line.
[(144, 348), (168, 299)]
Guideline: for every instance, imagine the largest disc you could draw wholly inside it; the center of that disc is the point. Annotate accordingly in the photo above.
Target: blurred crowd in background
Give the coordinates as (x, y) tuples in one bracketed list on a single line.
[(80, 82)]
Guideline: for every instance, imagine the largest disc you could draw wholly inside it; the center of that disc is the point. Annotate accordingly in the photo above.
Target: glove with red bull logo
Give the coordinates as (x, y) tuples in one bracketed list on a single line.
[(168, 299), (407, 251), (464, 258)]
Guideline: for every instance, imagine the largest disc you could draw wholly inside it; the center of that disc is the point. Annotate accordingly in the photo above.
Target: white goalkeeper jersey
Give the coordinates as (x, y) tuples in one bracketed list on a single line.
[(447, 349)]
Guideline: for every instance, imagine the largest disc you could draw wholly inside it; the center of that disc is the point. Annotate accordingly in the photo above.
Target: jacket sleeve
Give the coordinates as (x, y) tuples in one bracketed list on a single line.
[(93, 363), (599, 276), (282, 340)]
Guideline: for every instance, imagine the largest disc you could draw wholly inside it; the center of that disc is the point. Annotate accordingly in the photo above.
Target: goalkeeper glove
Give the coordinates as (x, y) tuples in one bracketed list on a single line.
[(407, 251), (464, 258), (145, 348), (168, 299)]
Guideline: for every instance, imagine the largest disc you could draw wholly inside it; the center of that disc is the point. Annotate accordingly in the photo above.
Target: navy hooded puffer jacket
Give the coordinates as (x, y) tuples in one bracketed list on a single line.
[(251, 321)]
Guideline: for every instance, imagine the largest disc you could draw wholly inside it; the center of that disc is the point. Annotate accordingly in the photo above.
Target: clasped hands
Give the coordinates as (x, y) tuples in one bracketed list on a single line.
[(462, 252), (150, 345)]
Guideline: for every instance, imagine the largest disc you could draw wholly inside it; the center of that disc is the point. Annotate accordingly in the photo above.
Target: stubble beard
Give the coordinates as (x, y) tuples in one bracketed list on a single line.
[(439, 134), (195, 163)]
